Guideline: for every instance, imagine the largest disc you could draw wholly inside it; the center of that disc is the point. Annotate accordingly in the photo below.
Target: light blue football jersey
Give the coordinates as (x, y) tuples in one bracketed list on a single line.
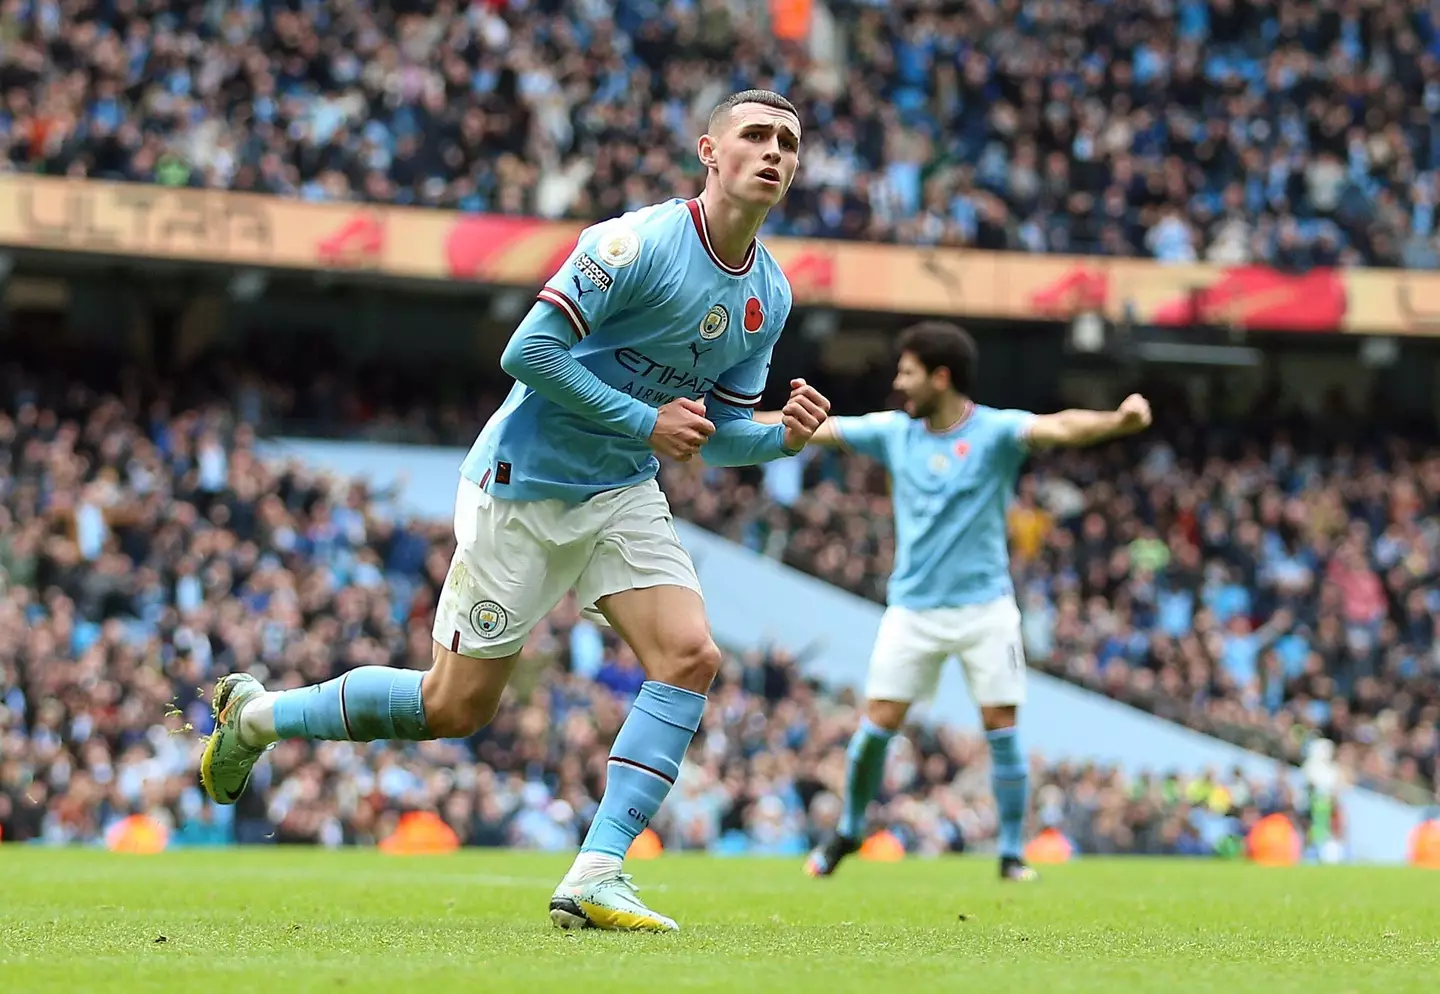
[(655, 314), (951, 491)]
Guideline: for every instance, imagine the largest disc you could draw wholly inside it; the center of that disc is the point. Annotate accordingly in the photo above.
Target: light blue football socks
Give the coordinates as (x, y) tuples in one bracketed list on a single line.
[(1010, 779), (644, 763), (864, 772), (362, 705)]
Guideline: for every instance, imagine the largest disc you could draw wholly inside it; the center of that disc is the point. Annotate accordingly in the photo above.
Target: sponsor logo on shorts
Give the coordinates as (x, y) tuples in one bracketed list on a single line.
[(592, 271), (489, 619)]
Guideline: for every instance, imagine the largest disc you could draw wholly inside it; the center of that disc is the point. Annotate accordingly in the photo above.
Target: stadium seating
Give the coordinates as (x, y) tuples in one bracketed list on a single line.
[(1265, 594), (145, 551), (1296, 133)]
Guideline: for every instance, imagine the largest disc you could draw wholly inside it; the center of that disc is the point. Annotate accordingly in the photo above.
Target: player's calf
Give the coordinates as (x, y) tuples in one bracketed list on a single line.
[(456, 698), (864, 771), (666, 627), (1010, 781)]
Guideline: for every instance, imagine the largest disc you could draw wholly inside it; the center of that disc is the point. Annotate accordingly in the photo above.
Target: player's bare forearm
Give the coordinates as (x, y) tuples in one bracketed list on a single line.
[(1078, 428), (1073, 428)]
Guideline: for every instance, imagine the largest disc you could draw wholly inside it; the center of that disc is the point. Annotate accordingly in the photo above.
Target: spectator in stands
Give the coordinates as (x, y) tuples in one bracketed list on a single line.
[(198, 558), (1295, 133)]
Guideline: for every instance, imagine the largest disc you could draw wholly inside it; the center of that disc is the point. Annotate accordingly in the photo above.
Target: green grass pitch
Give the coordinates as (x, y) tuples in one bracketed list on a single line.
[(292, 921)]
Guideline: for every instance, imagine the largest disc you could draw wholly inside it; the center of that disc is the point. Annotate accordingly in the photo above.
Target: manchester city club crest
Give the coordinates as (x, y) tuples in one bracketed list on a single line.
[(717, 319), (488, 619)]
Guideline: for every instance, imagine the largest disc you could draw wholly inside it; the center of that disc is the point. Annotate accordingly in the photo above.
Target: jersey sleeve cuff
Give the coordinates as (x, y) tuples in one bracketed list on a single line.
[(779, 438), (736, 398), (642, 420), (1022, 434)]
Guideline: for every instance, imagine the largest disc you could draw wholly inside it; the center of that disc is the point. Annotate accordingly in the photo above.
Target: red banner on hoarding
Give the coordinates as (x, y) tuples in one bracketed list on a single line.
[(238, 229)]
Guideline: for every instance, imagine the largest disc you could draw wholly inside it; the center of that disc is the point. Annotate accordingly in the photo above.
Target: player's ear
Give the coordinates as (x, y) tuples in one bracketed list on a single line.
[(705, 148)]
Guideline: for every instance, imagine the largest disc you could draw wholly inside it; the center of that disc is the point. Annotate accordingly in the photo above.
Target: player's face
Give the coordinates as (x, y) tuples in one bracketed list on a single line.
[(921, 389), (757, 153)]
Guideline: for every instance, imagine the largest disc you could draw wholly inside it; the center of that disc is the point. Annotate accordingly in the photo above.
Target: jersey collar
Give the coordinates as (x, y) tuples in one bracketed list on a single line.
[(702, 228), (959, 422)]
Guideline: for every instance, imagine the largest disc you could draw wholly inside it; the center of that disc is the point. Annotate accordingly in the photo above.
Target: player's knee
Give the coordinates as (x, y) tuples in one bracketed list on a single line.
[(457, 716), (889, 715), (692, 664), (997, 716)]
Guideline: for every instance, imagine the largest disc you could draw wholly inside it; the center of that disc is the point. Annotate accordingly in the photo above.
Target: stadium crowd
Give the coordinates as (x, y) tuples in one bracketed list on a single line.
[(1295, 132), (1247, 613), (145, 549)]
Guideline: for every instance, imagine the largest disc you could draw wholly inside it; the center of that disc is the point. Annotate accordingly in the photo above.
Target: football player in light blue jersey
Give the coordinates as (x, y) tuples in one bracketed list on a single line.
[(953, 465), (654, 338)]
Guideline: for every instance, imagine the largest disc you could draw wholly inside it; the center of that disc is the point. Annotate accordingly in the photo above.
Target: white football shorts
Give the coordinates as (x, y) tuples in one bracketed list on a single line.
[(911, 648), (516, 560)]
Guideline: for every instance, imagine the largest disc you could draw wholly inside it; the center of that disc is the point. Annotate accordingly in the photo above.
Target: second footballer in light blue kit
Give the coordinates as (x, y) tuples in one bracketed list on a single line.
[(653, 339), (953, 466)]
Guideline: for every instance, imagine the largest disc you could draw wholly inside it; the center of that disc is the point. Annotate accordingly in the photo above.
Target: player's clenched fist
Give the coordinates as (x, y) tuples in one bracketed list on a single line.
[(803, 414), (681, 428), (1134, 413)]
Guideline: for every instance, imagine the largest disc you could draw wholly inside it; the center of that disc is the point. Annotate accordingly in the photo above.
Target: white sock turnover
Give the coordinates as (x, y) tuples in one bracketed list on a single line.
[(590, 866), (257, 721)]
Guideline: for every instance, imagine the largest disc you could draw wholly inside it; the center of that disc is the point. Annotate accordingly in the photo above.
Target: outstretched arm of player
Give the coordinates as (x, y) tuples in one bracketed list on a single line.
[(1077, 427), (867, 434)]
